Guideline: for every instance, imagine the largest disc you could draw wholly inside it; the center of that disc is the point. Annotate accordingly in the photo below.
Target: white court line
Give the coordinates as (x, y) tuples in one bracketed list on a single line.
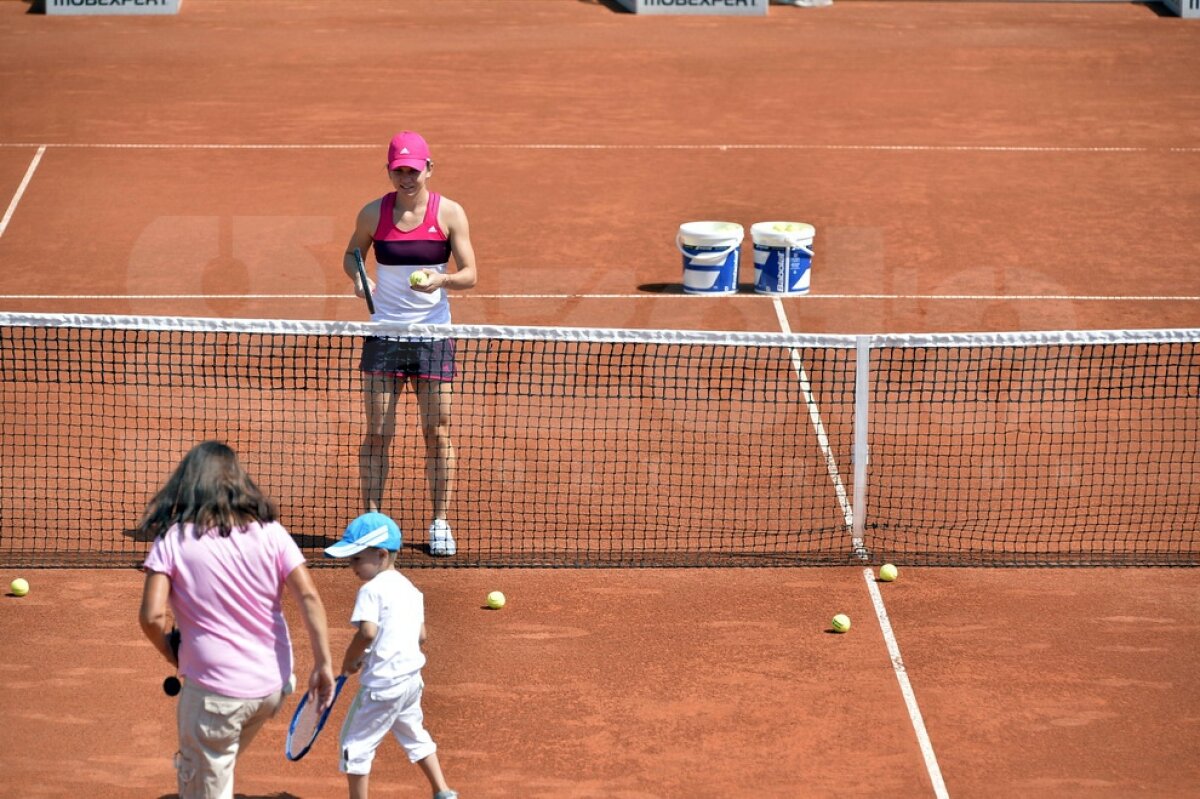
[(889, 637), (180, 297), (637, 296), (910, 697), (1021, 297), (944, 148), (12, 206), (814, 415)]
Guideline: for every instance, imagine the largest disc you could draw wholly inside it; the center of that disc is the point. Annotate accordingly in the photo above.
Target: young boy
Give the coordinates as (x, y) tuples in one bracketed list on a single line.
[(389, 613)]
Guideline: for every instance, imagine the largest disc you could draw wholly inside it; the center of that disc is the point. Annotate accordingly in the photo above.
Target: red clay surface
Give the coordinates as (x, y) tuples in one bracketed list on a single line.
[(950, 156), (664, 683)]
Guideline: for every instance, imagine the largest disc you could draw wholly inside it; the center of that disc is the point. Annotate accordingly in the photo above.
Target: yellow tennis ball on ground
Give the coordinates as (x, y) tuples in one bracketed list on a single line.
[(19, 587), (888, 572), (841, 623), (496, 600), (418, 278)]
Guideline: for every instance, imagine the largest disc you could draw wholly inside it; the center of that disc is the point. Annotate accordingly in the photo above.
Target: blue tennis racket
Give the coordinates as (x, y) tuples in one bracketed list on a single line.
[(308, 721), (361, 267)]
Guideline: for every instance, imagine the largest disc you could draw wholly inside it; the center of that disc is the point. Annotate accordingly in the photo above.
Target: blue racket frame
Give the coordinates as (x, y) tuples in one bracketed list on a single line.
[(337, 690)]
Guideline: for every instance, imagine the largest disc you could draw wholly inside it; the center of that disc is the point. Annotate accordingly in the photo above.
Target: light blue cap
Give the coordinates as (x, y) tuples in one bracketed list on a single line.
[(369, 531)]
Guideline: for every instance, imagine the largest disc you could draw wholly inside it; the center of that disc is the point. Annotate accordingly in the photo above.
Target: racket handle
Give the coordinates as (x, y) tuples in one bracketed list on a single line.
[(172, 685), (361, 266)]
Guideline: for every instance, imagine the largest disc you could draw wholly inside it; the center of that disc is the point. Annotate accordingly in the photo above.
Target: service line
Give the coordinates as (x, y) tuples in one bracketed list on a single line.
[(610, 146), (1113, 298)]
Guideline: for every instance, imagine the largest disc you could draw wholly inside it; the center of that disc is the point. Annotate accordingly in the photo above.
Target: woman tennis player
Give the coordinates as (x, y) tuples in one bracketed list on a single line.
[(413, 231)]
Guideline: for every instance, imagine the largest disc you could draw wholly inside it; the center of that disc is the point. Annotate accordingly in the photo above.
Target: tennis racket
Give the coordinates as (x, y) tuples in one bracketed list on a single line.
[(361, 267), (307, 722)]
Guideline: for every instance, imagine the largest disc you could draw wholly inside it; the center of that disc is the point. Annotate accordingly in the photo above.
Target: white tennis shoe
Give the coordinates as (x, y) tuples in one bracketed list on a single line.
[(441, 541)]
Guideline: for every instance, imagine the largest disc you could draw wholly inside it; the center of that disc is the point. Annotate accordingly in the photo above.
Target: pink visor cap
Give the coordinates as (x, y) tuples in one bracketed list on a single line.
[(408, 149)]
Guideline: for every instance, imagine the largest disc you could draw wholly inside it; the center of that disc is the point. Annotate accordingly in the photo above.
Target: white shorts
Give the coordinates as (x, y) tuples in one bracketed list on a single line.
[(377, 711)]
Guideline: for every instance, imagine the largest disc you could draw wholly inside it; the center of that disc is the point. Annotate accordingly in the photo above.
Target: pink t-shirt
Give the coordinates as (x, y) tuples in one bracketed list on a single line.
[(227, 597)]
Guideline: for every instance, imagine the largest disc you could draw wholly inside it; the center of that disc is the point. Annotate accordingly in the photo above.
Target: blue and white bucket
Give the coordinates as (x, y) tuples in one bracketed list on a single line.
[(783, 254), (711, 254)]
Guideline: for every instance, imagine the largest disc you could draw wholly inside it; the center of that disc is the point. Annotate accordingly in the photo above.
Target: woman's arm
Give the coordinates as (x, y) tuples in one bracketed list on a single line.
[(153, 614), (454, 220), (312, 610), (360, 239)]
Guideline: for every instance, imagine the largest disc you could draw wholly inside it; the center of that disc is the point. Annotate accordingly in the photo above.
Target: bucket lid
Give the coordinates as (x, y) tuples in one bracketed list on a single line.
[(710, 232), (783, 234)]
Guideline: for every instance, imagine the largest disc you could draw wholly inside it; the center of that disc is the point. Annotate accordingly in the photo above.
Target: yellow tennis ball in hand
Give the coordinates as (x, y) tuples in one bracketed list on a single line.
[(19, 587), (418, 278), (496, 600), (888, 572), (840, 623)]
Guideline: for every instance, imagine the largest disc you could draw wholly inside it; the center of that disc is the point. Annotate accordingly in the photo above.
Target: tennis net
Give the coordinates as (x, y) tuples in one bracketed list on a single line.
[(591, 447)]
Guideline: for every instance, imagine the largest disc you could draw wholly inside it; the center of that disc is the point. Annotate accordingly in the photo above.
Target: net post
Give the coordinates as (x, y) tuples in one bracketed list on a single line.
[(862, 396)]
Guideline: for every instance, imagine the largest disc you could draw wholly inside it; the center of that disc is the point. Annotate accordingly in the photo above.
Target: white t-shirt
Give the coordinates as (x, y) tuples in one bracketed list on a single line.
[(394, 605)]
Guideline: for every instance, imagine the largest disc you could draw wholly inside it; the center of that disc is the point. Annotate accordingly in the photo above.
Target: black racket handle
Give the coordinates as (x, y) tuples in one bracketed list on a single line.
[(361, 266), (172, 686)]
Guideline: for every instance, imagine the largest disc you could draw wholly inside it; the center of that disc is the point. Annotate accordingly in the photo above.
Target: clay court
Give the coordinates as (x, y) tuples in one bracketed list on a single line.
[(968, 167)]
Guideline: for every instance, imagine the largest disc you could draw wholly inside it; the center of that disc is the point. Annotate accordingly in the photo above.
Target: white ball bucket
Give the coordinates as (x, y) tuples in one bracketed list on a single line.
[(782, 256), (711, 254)]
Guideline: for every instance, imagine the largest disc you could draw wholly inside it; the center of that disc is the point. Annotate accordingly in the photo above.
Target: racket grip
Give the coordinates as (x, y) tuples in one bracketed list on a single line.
[(172, 685), (361, 267)]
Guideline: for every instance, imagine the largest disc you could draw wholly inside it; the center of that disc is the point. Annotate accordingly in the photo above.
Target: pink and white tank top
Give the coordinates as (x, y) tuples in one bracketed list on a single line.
[(399, 253)]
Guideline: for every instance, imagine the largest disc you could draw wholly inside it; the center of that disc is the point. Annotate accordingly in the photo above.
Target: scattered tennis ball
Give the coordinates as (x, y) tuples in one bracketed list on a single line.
[(418, 278), (19, 587), (888, 572), (841, 623), (495, 600)]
